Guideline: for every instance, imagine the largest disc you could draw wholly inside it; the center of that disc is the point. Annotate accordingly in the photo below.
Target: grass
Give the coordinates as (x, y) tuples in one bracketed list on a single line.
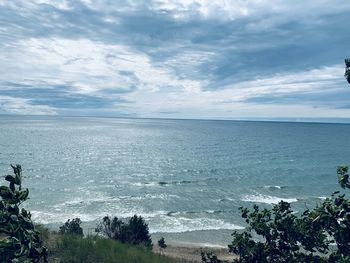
[(74, 249)]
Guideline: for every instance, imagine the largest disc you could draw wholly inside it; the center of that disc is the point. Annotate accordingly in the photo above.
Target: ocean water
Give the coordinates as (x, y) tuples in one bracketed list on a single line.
[(187, 178)]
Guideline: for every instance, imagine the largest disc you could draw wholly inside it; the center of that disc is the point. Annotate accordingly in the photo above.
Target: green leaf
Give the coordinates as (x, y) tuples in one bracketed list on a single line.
[(10, 178)]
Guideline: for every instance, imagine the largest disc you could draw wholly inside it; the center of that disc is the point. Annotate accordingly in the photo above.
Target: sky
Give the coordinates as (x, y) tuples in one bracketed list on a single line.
[(222, 59)]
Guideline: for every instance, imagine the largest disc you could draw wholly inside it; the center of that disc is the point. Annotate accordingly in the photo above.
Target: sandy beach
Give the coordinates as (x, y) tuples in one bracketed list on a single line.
[(191, 253)]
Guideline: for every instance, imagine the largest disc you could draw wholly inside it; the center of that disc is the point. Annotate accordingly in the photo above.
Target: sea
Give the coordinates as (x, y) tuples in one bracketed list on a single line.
[(186, 178)]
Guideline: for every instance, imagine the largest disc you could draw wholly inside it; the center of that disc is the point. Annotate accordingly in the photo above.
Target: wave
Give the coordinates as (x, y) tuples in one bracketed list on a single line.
[(147, 196), (162, 183), (178, 182), (176, 213), (227, 199), (184, 224), (158, 221), (214, 211), (145, 184), (80, 202), (42, 217), (45, 217), (273, 187), (267, 199)]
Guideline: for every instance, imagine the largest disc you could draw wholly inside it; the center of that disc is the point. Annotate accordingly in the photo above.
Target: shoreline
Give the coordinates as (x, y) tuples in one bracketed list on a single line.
[(191, 252)]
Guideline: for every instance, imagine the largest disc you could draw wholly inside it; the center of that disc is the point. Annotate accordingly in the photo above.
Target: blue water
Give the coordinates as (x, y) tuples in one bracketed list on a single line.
[(187, 178)]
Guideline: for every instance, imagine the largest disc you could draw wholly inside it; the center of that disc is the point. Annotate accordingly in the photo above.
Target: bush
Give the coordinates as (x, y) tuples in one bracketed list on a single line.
[(161, 243), (277, 235), (134, 232), (347, 69), (72, 227), (210, 258), (20, 242)]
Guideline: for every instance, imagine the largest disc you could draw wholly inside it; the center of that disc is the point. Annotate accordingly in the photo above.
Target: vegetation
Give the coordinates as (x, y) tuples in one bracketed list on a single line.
[(19, 240), (134, 232), (210, 257), (161, 243), (72, 227), (273, 235), (278, 235), (347, 69), (65, 248)]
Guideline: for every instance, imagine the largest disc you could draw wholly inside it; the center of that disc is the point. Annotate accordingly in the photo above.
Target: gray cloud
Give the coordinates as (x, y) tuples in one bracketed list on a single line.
[(195, 54)]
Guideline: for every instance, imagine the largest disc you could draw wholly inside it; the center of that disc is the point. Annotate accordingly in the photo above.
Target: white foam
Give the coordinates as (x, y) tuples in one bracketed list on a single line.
[(57, 217), (273, 186), (84, 201), (144, 184), (183, 224), (159, 221), (147, 196), (267, 199)]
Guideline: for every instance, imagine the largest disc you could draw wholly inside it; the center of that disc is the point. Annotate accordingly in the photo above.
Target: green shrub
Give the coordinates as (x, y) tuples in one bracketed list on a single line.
[(72, 227), (134, 232), (347, 69), (277, 235), (161, 243), (210, 257), (19, 240)]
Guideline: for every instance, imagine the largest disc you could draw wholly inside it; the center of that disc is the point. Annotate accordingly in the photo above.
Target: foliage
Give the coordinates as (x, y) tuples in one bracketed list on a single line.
[(277, 235), (134, 232), (210, 257), (72, 227), (19, 240), (347, 69), (333, 216), (284, 237), (161, 243), (65, 248)]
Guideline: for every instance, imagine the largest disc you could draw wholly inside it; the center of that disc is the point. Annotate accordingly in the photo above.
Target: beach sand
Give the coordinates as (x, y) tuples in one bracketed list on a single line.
[(191, 253)]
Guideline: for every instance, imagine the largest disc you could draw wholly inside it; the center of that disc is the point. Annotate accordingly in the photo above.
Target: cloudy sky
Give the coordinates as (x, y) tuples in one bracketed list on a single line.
[(175, 58)]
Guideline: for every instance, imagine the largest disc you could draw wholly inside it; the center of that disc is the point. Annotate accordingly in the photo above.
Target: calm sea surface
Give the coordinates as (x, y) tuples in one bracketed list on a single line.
[(187, 178)]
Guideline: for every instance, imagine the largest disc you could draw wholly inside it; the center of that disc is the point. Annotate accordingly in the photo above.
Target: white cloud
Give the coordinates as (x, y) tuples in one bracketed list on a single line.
[(92, 67), (87, 66), (34, 4), (158, 75), (229, 101), (260, 15), (10, 105), (314, 80)]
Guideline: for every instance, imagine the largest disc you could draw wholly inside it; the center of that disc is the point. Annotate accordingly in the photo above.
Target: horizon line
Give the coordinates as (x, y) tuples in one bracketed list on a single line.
[(322, 120)]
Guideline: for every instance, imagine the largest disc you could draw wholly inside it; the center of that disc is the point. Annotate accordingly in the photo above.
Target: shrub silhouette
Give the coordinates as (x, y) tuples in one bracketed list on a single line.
[(72, 227), (347, 69), (161, 243), (134, 231), (19, 241)]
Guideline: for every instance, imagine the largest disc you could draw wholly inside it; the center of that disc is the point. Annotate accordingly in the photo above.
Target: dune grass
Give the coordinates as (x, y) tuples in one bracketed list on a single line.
[(73, 249)]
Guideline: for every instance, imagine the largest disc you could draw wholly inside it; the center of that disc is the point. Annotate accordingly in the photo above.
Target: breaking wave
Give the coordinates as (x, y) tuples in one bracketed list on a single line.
[(267, 199)]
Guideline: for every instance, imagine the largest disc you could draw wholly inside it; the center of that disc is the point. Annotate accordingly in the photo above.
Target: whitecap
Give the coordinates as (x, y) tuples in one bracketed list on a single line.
[(267, 199), (42, 217), (57, 216), (274, 187), (184, 224)]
